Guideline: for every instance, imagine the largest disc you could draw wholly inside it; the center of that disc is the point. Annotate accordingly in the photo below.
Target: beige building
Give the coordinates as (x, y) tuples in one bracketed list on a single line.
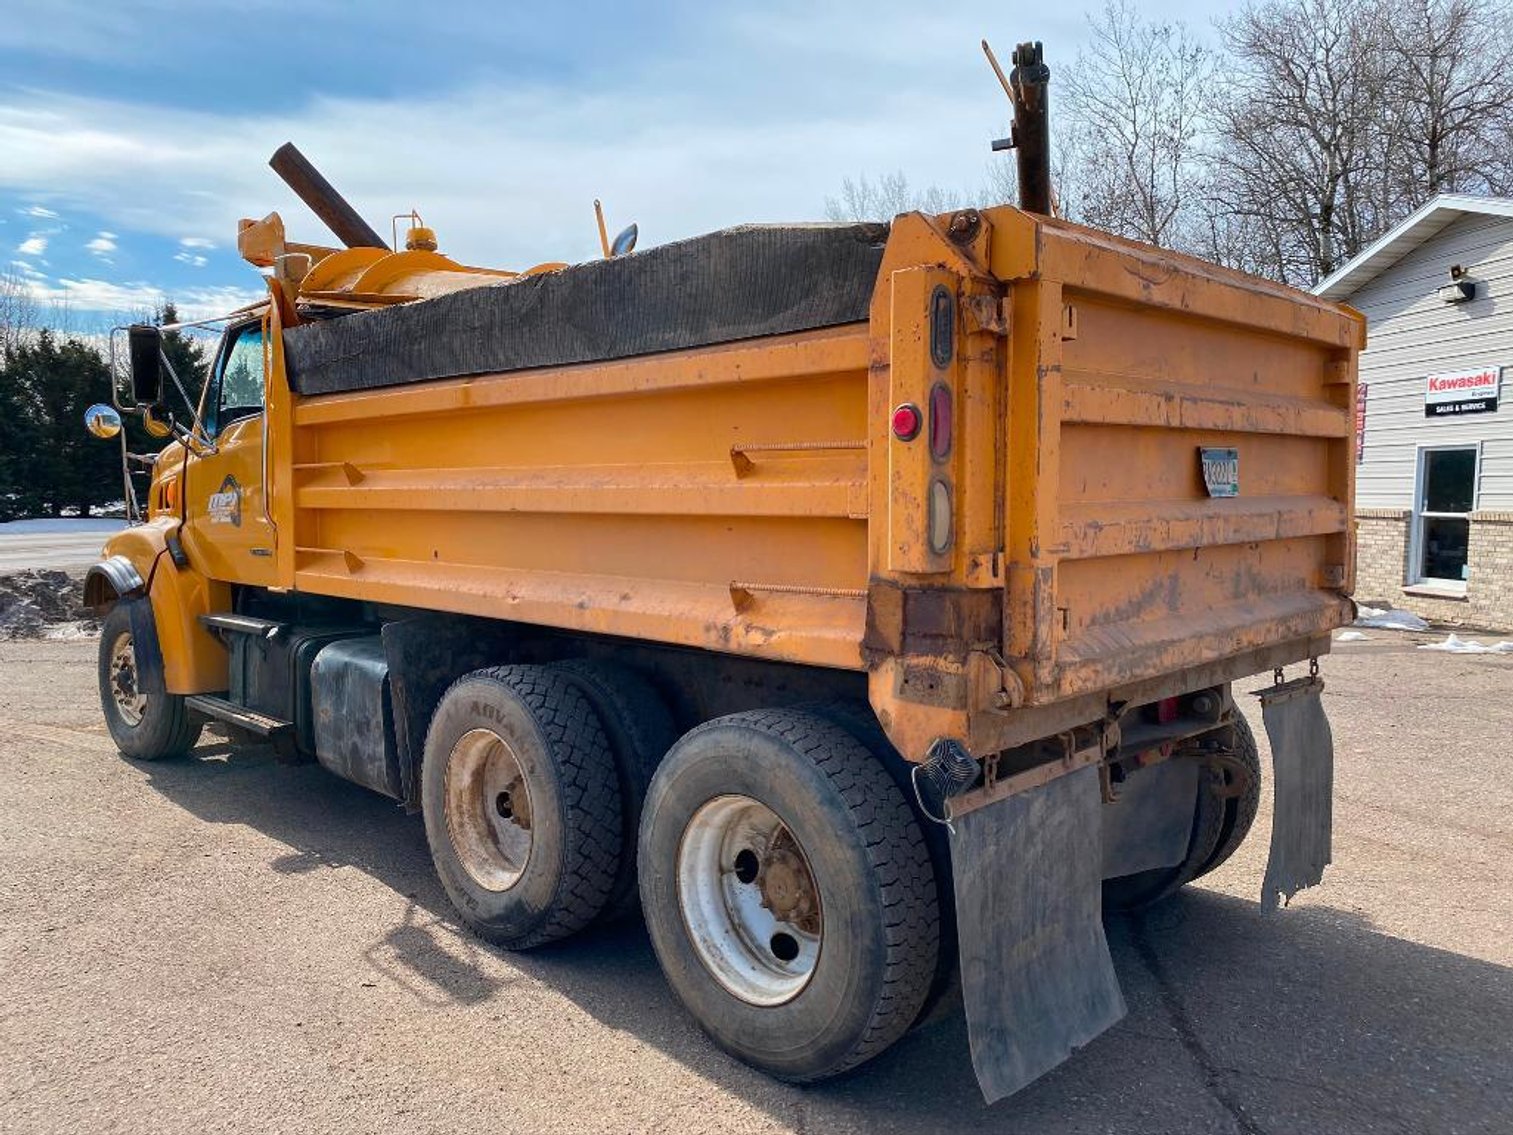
[(1434, 487)]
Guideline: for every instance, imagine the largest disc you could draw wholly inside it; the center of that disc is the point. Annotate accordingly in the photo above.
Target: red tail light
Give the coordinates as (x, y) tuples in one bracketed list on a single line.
[(940, 421)]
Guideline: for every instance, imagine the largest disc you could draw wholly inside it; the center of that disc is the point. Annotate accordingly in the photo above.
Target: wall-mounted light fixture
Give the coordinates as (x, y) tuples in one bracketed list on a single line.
[(1460, 288)]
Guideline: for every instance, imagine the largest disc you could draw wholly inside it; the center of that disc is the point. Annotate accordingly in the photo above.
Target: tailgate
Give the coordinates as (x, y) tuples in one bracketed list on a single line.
[(1126, 563)]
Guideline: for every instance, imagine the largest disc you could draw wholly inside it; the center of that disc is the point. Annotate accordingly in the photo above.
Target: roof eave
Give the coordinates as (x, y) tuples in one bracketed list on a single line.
[(1358, 271)]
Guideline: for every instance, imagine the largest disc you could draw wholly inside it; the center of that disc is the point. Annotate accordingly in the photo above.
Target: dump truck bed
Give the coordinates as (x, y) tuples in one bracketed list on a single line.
[(727, 477)]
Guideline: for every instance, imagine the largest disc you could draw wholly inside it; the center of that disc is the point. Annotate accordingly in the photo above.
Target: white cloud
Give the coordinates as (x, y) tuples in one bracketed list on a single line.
[(34, 245), (138, 297), (102, 246), (26, 269), (39, 212), (193, 259), (196, 242), (763, 130)]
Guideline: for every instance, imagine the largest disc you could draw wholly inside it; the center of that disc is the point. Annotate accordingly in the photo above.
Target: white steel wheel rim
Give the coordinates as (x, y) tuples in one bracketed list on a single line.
[(758, 932), (125, 681), (487, 803)]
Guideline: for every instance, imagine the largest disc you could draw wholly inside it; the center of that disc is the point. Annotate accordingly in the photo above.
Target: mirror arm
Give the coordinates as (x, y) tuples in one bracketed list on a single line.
[(193, 408), (191, 438)]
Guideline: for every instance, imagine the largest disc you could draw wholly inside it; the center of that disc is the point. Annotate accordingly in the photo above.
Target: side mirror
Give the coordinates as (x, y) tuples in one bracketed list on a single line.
[(146, 344), (102, 420), (625, 242)]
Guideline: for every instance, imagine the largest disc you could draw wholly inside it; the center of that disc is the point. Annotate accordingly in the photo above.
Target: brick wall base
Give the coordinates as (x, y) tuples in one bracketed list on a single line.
[(1381, 566)]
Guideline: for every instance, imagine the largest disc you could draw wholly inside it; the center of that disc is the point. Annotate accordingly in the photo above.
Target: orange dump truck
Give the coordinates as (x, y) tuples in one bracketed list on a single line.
[(862, 601)]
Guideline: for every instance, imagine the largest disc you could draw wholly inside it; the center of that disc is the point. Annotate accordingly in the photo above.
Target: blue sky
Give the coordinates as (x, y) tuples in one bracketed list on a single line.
[(133, 136)]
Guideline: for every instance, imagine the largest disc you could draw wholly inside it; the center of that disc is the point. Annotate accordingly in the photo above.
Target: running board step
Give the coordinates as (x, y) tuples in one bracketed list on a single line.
[(219, 709), (242, 624)]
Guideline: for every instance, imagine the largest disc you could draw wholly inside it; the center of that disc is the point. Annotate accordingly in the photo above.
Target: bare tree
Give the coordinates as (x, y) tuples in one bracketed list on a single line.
[(885, 198), (1315, 127), (1135, 128), (18, 311), (1304, 153), (1451, 96)]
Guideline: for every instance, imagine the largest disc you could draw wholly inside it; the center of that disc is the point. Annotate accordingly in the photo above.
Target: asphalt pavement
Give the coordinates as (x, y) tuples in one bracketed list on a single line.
[(229, 944), (66, 544)]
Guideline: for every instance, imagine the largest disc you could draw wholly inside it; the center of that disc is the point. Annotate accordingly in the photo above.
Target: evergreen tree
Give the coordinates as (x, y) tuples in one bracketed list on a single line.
[(53, 461), (49, 462)]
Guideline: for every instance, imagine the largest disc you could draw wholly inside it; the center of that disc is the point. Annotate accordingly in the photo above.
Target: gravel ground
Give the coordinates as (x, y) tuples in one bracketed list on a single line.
[(227, 944)]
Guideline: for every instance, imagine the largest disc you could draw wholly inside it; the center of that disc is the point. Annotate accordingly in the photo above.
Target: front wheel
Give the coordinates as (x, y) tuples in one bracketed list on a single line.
[(146, 722), (788, 893)]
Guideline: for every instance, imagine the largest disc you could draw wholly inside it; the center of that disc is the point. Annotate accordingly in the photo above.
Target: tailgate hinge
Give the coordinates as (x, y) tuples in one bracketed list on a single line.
[(992, 683)]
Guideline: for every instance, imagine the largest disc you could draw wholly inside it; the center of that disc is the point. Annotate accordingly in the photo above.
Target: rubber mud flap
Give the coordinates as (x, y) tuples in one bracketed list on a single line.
[(1302, 759), (1036, 976), (144, 638), (1150, 825)]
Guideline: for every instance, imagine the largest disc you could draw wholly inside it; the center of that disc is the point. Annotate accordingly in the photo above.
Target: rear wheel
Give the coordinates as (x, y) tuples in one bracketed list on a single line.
[(640, 731), (1228, 797), (521, 805), (788, 893), (146, 722), (857, 719)]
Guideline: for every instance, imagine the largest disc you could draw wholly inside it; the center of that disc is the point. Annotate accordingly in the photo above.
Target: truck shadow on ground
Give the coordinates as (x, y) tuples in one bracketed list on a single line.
[(1307, 1020)]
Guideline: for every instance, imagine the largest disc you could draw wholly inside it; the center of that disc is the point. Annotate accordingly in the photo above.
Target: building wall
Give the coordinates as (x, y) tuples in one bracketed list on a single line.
[(1411, 334)]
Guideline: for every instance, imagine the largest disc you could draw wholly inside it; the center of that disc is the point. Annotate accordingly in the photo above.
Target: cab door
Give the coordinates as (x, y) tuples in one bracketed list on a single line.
[(227, 534)]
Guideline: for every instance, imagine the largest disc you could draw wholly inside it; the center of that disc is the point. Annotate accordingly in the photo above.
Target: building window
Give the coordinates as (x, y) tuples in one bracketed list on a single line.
[(1441, 520)]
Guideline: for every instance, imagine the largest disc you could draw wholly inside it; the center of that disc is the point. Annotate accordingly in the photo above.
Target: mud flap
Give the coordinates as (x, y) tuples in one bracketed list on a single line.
[(1036, 974), (1150, 826), (144, 639), (1302, 758)]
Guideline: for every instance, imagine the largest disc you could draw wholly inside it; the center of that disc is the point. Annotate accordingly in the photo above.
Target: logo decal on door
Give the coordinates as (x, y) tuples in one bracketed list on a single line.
[(225, 506)]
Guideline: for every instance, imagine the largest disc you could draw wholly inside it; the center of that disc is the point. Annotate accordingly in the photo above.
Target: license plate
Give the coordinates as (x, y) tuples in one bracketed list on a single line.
[(1221, 471)]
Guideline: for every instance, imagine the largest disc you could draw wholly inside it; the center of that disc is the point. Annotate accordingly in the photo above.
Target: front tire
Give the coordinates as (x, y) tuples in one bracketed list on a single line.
[(521, 805), (788, 893), (146, 722)]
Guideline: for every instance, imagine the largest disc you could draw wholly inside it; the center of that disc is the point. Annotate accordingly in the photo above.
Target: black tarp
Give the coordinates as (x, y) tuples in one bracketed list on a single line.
[(739, 283)]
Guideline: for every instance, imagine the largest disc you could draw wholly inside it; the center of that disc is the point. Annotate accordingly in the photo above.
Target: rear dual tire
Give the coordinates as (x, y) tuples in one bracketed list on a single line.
[(788, 893), (1222, 818), (788, 890)]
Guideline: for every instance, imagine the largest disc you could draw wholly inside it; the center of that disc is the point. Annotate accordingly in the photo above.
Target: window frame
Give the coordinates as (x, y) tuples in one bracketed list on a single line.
[(1415, 576), (215, 388)]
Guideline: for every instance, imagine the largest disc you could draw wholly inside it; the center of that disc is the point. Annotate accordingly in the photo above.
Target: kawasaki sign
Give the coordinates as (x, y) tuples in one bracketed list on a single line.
[(1463, 392)]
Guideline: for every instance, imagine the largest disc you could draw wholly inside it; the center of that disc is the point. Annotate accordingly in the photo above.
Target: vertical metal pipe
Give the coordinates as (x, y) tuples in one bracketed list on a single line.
[(1030, 87)]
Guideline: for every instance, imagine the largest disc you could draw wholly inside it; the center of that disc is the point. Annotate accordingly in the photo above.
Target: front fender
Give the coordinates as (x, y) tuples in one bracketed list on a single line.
[(194, 661), (110, 580)]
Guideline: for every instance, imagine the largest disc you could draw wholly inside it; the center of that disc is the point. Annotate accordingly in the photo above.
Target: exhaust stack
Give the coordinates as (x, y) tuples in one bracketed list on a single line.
[(327, 204)]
